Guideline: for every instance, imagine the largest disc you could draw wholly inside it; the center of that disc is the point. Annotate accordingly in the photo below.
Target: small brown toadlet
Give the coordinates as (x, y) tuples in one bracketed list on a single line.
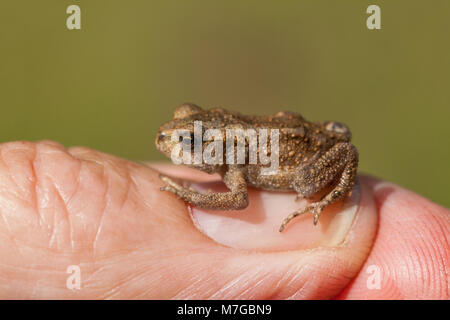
[(310, 157)]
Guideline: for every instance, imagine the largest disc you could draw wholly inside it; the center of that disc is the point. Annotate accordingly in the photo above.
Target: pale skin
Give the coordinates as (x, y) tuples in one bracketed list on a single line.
[(78, 206)]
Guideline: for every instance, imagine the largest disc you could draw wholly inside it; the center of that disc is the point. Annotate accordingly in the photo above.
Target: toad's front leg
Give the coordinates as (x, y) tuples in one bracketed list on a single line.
[(337, 164), (235, 199)]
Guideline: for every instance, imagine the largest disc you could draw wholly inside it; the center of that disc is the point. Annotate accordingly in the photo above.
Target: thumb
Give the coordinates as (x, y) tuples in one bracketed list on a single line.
[(63, 207), (245, 257)]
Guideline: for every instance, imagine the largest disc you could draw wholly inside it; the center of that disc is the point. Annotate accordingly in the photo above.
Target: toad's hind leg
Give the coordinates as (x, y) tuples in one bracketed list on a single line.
[(236, 199), (338, 163)]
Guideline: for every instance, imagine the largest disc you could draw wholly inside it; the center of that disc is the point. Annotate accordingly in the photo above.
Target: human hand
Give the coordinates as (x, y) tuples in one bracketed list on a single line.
[(61, 207)]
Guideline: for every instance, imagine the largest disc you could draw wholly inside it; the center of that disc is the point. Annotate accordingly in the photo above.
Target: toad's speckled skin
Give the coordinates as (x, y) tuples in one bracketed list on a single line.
[(312, 158)]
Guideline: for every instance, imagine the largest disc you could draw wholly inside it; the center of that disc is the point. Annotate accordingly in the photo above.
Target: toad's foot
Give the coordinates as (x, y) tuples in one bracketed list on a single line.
[(315, 208), (172, 186), (236, 199)]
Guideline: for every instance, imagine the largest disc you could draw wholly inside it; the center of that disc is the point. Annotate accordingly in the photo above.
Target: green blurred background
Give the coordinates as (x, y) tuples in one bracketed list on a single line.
[(112, 83)]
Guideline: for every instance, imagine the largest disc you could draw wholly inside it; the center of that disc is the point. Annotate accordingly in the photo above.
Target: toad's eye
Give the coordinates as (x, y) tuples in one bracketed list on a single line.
[(337, 127)]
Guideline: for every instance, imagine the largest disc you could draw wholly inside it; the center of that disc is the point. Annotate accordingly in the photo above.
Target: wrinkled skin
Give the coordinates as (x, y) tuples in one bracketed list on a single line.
[(77, 206)]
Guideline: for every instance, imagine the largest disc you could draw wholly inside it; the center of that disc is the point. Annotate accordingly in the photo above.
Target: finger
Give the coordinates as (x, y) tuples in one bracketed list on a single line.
[(410, 256), (130, 240)]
